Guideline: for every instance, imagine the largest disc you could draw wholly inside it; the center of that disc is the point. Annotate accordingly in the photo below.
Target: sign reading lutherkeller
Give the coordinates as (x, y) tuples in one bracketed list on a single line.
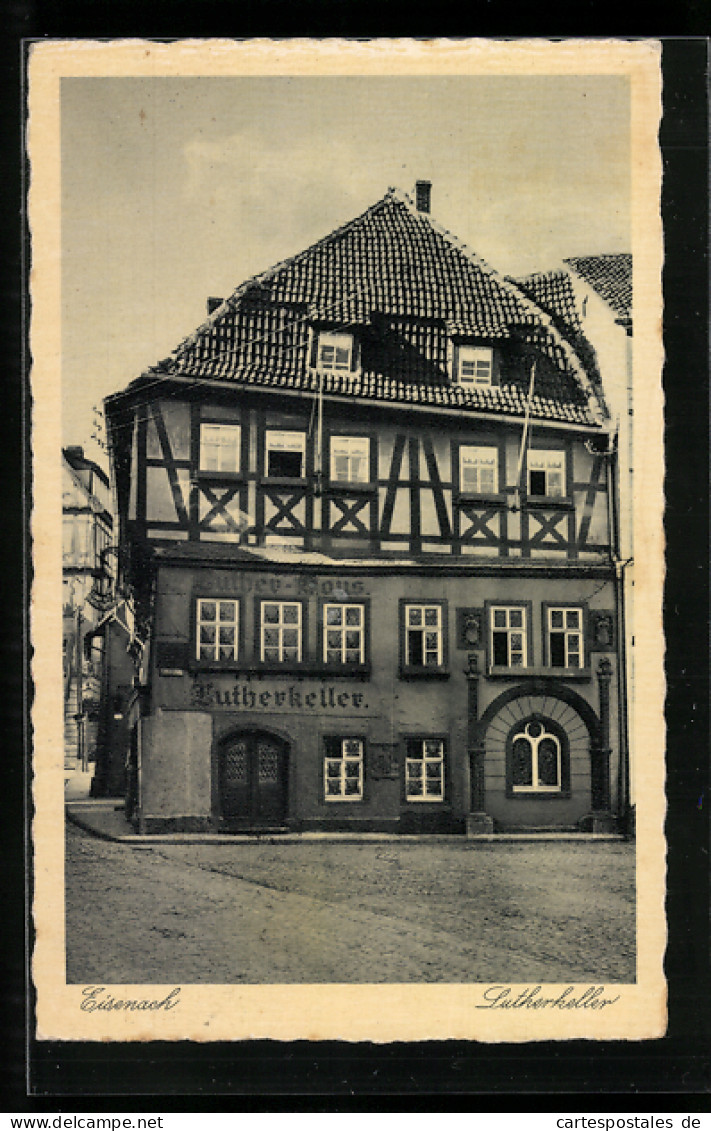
[(240, 696)]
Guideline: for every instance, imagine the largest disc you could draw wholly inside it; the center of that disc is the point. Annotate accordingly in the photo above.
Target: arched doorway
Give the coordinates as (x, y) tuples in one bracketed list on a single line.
[(539, 747), (252, 780)]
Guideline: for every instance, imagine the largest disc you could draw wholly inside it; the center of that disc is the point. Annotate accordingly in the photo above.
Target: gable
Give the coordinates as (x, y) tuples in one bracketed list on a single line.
[(408, 290), (610, 276)]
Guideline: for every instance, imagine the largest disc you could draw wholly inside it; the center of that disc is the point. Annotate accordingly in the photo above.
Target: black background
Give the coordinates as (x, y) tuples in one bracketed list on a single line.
[(669, 1074)]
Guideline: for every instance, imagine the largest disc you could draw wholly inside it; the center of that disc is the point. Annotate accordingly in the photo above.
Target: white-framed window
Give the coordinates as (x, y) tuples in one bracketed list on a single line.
[(102, 540), (350, 459), (424, 637), (220, 447), (508, 636), (565, 637), (217, 629), (343, 769), (546, 472), (285, 453), (344, 634), (76, 540), (424, 769), (334, 351), (478, 469), (280, 631), (475, 365), (536, 759)]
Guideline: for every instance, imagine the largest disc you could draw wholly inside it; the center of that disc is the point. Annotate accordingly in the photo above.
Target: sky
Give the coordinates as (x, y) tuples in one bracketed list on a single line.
[(174, 190)]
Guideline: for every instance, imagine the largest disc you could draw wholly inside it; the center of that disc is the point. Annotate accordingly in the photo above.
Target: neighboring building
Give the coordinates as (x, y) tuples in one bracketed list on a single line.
[(367, 520), (590, 298), (86, 533), (114, 635), (96, 629)]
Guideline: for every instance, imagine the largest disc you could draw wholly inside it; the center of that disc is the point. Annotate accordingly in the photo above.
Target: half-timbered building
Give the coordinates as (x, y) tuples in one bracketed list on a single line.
[(86, 532), (367, 517)]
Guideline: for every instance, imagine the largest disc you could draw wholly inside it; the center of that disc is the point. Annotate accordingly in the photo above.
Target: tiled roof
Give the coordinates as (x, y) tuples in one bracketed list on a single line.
[(508, 400), (611, 277), (409, 288), (553, 292)]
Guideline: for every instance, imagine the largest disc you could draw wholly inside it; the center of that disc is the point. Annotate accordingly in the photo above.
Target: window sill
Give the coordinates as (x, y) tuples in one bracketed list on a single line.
[(467, 498), (341, 371), (547, 502), (342, 487), (423, 673), (203, 475), (302, 668), (538, 794), (473, 386), (291, 481), (439, 803), (194, 666), (496, 671)]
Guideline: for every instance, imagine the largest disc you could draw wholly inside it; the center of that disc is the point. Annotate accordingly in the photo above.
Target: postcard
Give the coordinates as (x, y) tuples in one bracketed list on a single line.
[(346, 525)]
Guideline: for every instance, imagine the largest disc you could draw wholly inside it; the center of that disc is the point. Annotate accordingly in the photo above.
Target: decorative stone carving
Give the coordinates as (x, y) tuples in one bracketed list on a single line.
[(604, 670), (470, 628), (383, 760), (602, 634)]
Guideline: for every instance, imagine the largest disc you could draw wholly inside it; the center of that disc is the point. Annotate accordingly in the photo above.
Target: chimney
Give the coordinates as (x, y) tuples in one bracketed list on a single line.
[(423, 190), (213, 303)]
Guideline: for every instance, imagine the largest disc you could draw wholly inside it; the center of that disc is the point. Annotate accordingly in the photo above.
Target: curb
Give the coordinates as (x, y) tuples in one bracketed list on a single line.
[(336, 838), (88, 827)]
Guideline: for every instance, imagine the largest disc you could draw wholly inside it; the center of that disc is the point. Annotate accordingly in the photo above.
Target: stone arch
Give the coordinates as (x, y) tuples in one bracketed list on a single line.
[(251, 776), (232, 728), (549, 689), (579, 727)]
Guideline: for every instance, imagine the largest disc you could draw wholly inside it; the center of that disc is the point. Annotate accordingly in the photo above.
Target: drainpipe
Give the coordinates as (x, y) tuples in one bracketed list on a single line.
[(623, 772)]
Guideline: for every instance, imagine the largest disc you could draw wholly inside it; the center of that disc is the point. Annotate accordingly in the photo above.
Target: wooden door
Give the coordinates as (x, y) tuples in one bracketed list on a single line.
[(252, 780)]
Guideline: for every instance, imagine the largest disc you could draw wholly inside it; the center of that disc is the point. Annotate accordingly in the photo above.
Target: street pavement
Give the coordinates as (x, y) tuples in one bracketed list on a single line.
[(347, 912)]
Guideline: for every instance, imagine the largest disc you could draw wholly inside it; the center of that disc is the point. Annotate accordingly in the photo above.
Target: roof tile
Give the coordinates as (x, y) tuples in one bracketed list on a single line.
[(409, 287), (610, 276)]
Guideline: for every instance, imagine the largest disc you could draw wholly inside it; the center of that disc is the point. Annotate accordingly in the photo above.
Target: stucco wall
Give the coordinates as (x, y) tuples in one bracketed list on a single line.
[(196, 706), (174, 770)]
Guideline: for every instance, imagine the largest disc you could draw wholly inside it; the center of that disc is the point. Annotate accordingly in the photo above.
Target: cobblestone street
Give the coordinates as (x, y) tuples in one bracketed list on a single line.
[(260, 913)]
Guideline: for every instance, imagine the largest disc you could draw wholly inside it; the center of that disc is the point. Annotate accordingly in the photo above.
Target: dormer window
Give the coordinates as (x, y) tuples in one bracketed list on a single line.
[(474, 366), (334, 351)]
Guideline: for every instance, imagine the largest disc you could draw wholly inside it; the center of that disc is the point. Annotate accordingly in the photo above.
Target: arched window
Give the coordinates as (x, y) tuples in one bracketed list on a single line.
[(537, 758)]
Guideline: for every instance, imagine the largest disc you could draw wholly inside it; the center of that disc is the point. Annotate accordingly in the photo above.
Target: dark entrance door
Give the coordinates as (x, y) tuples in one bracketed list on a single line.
[(252, 780)]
